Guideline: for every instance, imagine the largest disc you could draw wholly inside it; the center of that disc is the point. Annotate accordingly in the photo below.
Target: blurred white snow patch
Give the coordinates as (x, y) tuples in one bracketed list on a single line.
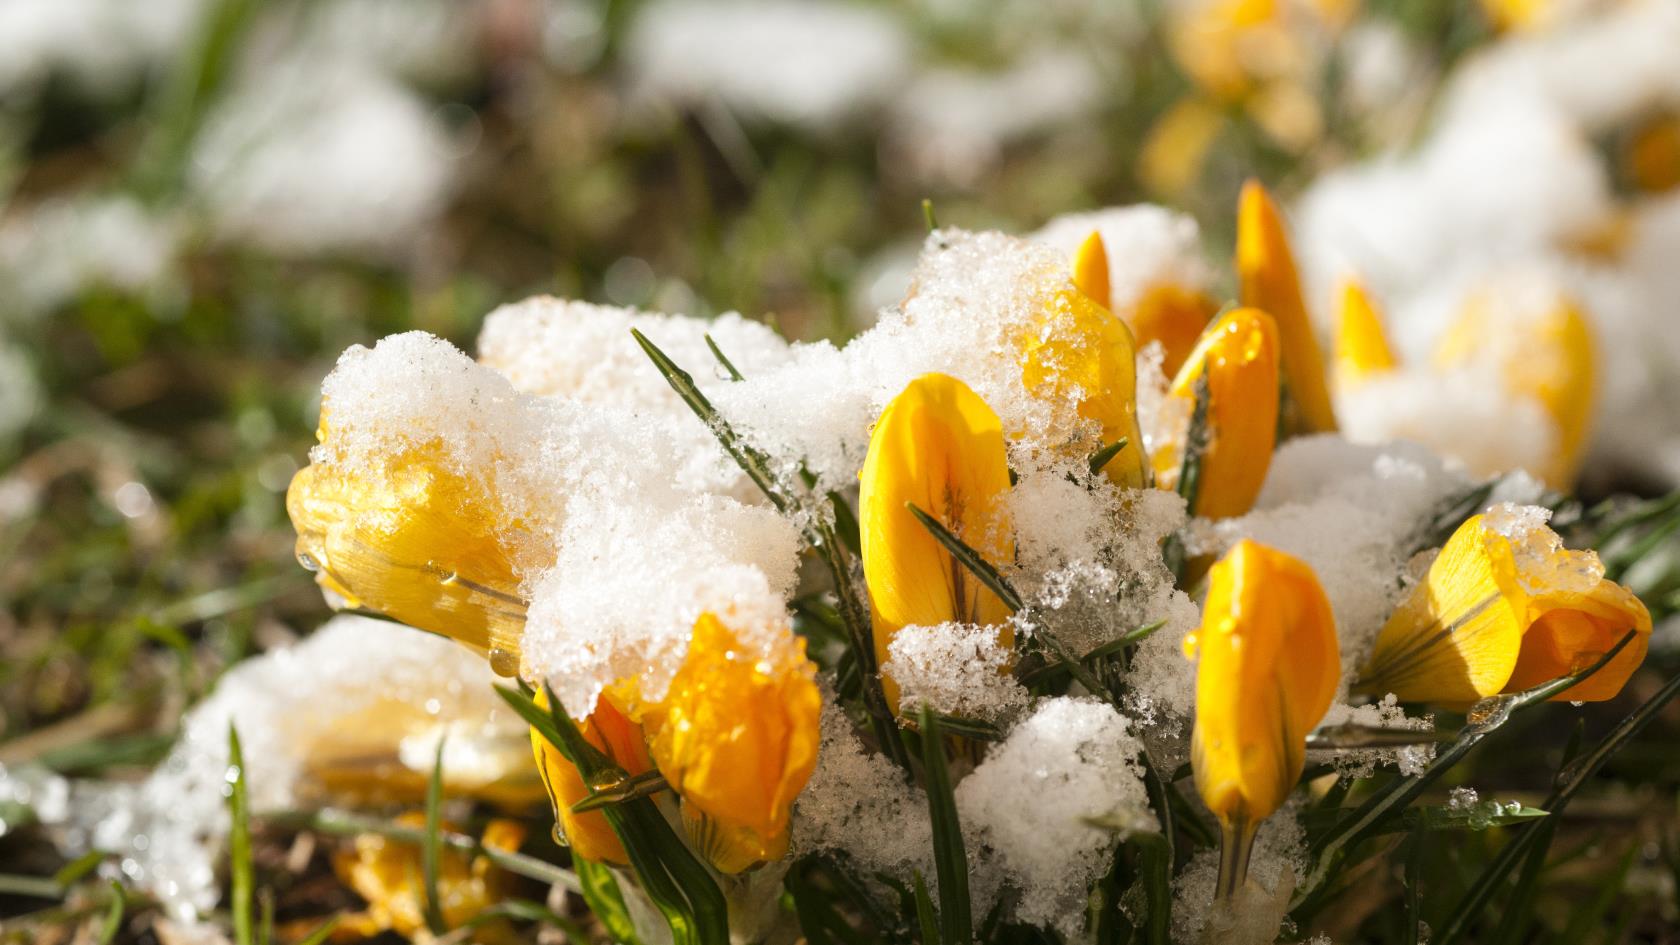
[(1147, 247), (1275, 867), (293, 708), (812, 63), (52, 251), (316, 156), (20, 394), (1463, 415), (431, 41), (956, 669), (1050, 803), (952, 124), (100, 45)]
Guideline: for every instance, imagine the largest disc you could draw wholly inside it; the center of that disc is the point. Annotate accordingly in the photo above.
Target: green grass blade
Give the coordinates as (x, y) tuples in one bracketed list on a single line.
[(113, 915), (431, 850), (1101, 457), (926, 917), (1402, 791), (73, 871), (321, 932), (950, 859), (1196, 442), (239, 842), (1569, 781), (606, 903), (972, 560), (723, 359)]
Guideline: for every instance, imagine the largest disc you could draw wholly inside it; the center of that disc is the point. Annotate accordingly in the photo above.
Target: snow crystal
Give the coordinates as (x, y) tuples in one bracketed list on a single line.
[(301, 712), (1542, 564), (1031, 804), (955, 669)]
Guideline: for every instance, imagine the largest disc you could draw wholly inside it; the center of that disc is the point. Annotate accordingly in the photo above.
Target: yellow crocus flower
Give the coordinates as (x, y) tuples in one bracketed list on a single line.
[(1503, 608), (415, 541), (736, 737), (389, 875), (1549, 359), (1238, 355), (1362, 350), (939, 446), (1077, 350), (1266, 269), (1652, 159), (1174, 316), (1268, 667), (616, 736)]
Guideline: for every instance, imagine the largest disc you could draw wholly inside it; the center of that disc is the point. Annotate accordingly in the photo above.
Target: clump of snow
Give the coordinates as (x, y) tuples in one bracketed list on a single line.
[(295, 709), (64, 245), (101, 45), (1031, 804), (956, 669), (1542, 564), (1275, 867), (814, 64)]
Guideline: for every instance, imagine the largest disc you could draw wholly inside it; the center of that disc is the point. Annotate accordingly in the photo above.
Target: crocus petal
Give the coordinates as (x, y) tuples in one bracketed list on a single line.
[(939, 446), (1079, 351), (1090, 269), (1505, 607), (737, 740), (1269, 664), (1550, 359), (417, 542), (1266, 268), (1174, 316), (1238, 355), (622, 740), (1362, 350)]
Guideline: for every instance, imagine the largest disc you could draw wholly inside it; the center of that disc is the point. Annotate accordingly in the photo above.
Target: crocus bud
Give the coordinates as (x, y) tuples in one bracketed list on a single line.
[(1268, 667), (938, 446), (736, 737), (1362, 350), (1237, 359), (1505, 607), (1266, 268)]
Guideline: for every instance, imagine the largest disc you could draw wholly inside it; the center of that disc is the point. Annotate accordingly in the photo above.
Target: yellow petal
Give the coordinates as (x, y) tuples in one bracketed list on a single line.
[(1266, 268), (1078, 351), (1519, 15), (622, 740), (737, 739), (1090, 269), (1239, 357), (1498, 613), (389, 875), (1269, 664), (1653, 157), (417, 542), (939, 446), (1549, 359), (1174, 316), (1362, 350)]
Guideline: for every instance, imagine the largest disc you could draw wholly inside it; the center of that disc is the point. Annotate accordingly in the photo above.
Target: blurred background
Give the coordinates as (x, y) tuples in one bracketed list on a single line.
[(203, 202)]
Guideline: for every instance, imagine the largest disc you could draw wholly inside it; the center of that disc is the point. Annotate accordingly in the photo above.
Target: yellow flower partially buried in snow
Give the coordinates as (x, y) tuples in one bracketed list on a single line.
[(939, 446), (610, 731), (1549, 359), (1238, 359), (1268, 667), (1362, 349), (389, 875), (1078, 350), (1164, 312), (736, 736), (1266, 268), (1503, 608), (417, 541)]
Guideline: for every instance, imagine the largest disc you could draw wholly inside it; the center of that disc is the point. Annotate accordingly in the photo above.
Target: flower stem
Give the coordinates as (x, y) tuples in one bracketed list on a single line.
[(1236, 842)]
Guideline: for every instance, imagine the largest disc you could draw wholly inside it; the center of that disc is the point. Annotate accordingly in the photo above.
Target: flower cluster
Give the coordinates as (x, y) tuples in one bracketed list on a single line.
[(953, 602)]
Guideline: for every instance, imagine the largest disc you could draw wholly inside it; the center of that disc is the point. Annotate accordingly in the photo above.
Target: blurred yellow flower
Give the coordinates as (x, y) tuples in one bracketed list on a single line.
[(1268, 667), (1549, 359), (1652, 161), (1519, 15), (1238, 356), (1362, 350), (1178, 144), (388, 874), (1077, 350), (939, 446), (416, 541), (1266, 268), (1503, 608), (736, 737), (588, 833), (1175, 317)]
